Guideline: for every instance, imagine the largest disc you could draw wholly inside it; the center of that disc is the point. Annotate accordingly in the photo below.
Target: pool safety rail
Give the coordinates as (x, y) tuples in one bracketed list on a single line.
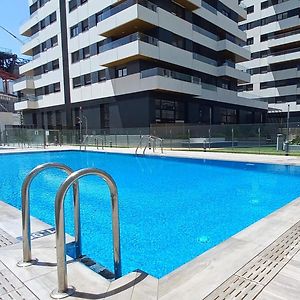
[(151, 141), (26, 228), (63, 289)]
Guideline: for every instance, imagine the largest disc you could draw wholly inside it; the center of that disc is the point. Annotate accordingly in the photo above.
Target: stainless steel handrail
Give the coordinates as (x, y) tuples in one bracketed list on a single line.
[(63, 289), (152, 139), (140, 144), (26, 228), (84, 142)]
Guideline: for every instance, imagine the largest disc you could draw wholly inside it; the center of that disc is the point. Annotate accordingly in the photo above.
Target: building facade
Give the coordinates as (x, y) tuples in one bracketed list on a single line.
[(273, 37), (133, 63)]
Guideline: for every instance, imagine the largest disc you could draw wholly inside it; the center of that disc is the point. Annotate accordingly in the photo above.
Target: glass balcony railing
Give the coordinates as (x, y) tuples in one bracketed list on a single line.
[(286, 51), (122, 6), (137, 36), (286, 34), (23, 78), (28, 98), (205, 32), (170, 74), (209, 7), (205, 59)]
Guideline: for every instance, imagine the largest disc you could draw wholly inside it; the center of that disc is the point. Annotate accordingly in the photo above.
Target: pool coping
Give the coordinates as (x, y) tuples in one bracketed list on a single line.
[(205, 273)]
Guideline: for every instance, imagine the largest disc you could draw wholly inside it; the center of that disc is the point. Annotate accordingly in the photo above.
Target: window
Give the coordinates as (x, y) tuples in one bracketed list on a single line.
[(72, 5), (178, 10), (264, 70), (264, 38), (250, 9), (45, 68), (55, 64), (46, 90), (264, 5), (250, 41), (44, 46), (122, 72), (33, 8), (56, 87), (39, 92), (249, 87), (178, 41), (36, 50), (74, 31), (85, 25), (54, 41), (87, 79), (169, 111), (43, 24), (101, 76), (86, 52), (52, 17), (75, 57), (76, 82)]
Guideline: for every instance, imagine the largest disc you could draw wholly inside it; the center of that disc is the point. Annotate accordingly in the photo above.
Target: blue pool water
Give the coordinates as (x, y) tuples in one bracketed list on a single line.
[(171, 210)]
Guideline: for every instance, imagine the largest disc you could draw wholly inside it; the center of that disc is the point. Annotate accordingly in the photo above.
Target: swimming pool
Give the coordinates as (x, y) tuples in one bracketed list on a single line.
[(171, 209)]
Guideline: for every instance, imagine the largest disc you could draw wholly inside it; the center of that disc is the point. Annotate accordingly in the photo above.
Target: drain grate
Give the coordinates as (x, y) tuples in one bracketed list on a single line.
[(236, 288), (248, 282), (8, 282), (11, 287), (6, 239)]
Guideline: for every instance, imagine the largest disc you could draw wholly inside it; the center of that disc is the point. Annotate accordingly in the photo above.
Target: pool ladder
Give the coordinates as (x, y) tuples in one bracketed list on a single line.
[(63, 289), (150, 141)]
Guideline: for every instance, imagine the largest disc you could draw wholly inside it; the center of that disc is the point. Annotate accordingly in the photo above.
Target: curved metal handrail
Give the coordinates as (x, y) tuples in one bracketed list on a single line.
[(26, 228), (152, 139), (63, 289)]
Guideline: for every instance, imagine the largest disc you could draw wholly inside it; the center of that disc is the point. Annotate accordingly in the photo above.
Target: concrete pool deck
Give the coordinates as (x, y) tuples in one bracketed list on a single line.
[(261, 262)]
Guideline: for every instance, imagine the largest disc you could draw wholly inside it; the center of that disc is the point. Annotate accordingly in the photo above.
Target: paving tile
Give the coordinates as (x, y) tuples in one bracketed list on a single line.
[(122, 288), (20, 294), (13, 254), (8, 282), (286, 285), (87, 283), (145, 287), (200, 277)]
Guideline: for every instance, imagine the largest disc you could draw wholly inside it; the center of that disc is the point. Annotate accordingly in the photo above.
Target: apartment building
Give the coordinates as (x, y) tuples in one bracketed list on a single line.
[(133, 63), (273, 37)]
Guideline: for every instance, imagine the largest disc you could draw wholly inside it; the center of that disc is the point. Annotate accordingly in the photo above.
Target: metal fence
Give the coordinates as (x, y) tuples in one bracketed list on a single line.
[(250, 138)]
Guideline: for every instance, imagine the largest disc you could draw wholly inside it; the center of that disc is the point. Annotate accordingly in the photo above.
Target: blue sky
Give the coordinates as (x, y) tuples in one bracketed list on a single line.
[(13, 13)]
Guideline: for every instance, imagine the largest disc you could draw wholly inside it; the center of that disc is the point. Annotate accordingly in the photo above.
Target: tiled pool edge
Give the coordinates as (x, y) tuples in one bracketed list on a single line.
[(201, 276)]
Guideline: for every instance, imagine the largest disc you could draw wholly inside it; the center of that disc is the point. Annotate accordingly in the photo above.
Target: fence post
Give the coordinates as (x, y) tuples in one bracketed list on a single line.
[(259, 139), (189, 138), (209, 138), (232, 138), (116, 141), (127, 138), (171, 140)]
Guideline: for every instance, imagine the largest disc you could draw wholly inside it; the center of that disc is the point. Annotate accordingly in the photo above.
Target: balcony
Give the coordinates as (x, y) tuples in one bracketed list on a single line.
[(190, 4), (129, 48), (172, 81), (229, 69), (128, 17), (148, 80), (24, 84), (283, 56), (26, 103), (285, 39)]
